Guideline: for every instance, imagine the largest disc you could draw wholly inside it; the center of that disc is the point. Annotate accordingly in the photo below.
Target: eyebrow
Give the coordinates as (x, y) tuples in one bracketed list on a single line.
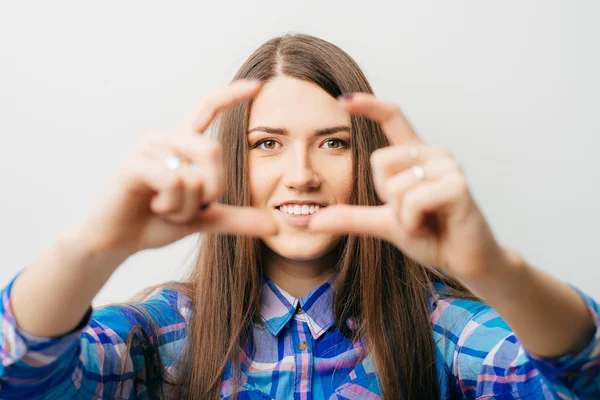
[(319, 132)]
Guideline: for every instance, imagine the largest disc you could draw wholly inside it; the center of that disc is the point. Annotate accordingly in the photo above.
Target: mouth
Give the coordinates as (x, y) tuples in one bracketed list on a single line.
[(299, 209), (298, 214)]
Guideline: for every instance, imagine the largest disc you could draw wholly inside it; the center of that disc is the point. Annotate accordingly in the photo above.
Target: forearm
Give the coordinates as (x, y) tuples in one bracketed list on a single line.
[(549, 317), (52, 295)]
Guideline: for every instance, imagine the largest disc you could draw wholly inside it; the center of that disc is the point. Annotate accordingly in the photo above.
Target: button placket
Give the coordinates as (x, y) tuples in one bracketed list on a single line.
[(304, 358)]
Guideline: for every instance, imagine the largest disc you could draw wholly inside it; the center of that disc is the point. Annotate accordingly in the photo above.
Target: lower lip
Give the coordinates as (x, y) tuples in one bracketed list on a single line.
[(300, 220)]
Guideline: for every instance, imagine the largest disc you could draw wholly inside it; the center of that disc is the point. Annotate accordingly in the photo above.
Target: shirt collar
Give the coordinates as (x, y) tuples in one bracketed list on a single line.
[(278, 307)]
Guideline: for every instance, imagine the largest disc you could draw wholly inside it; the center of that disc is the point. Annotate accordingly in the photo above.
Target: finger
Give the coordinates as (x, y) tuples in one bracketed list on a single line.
[(170, 186), (193, 196), (431, 197), (208, 108), (392, 120), (178, 193), (200, 183), (221, 218), (347, 219), (206, 156), (389, 161), (398, 185)]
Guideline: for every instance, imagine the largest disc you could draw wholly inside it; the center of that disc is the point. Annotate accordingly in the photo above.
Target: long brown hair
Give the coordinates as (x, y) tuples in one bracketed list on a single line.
[(376, 285)]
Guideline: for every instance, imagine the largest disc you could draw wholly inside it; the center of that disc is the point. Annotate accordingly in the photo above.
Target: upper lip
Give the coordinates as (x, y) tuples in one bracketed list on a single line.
[(300, 202)]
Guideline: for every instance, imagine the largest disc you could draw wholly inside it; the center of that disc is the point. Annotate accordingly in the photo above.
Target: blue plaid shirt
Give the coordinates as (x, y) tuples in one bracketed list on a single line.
[(295, 355)]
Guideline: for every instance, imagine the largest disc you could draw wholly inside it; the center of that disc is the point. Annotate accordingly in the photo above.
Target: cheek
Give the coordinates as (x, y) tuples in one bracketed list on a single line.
[(259, 182), (345, 189), (341, 180), (253, 181)]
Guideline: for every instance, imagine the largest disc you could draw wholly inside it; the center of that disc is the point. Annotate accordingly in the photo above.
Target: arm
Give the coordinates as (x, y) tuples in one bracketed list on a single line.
[(549, 317), (91, 361), (50, 297), (485, 357)]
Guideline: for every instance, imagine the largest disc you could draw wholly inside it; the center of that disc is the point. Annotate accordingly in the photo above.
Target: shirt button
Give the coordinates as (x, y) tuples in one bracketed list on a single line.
[(302, 345), (299, 311)]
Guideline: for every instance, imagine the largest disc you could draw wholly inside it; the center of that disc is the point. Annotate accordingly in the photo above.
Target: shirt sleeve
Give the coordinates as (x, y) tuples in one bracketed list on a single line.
[(485, 360), (92, 361)]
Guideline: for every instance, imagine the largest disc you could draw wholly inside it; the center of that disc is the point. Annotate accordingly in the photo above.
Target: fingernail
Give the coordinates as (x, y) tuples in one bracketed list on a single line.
[(346, 97), (204, 206)]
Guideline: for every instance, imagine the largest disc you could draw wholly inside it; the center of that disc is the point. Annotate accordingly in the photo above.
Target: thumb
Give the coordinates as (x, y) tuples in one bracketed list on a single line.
[(346, 219), (221, 218)]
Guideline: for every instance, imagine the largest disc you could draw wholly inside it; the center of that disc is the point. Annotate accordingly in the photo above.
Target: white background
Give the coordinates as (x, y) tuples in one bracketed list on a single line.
[(511, 88)]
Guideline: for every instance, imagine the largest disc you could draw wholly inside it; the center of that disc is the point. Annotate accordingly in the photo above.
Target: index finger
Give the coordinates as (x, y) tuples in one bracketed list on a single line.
[(350, 219), (208, 108), (393, 122), (229, 219)]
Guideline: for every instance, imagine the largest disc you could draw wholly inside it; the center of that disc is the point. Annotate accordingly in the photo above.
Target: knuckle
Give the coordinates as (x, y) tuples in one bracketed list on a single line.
[(165, 205), (194, 184), (461, 185), (375, 158), (459, 167), (378, 157), (174, 183), (454, 165), (394, 186), (441, 150), (443, 165)]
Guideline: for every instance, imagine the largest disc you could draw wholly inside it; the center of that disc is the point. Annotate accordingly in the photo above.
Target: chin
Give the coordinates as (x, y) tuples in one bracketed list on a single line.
[(298, 248)]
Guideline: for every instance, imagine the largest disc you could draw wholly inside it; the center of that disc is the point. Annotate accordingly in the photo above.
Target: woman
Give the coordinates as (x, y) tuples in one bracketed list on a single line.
[(335, 241)]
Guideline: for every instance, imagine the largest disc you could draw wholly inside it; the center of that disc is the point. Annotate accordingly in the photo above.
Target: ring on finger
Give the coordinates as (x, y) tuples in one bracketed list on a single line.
[(419, 172), (173, 163)]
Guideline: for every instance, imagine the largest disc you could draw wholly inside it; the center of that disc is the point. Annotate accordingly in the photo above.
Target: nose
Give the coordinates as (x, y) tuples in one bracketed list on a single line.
[(300, 173)]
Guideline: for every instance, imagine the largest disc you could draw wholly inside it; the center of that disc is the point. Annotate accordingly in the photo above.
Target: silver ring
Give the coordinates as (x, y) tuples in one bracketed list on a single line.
[(173, 163), (419, 172), (413, 152)]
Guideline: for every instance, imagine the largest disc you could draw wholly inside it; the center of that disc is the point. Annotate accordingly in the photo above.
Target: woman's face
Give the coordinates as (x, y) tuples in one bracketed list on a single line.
[(300, 160)]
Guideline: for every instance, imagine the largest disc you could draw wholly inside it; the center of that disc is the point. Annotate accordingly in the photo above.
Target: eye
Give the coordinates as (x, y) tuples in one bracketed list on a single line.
[(335, 144), (267, 144)]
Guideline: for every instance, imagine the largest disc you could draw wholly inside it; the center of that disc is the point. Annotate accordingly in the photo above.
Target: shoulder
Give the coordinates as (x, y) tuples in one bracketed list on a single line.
[(451, 316), (162, 308), (168, 295)]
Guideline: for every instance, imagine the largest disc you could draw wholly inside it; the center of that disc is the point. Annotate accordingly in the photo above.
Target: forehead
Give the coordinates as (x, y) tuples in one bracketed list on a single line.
[(295, 104)]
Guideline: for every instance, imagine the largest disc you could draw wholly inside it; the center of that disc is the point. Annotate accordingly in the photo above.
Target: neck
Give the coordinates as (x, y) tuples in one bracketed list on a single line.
[(300, 277)]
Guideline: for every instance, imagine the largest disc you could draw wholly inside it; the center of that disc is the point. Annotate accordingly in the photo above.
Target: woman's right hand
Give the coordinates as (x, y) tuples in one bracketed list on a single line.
[(146, 205)]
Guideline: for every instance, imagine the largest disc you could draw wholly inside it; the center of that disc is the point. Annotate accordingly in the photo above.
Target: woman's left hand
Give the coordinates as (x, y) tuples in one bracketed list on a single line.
[(434, 219)]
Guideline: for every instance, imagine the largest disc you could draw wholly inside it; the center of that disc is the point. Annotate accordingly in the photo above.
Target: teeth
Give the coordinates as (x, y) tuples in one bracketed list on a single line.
[(297, 209)]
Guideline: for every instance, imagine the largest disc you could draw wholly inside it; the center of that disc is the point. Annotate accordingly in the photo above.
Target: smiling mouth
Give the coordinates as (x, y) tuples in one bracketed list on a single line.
[(299, 209)]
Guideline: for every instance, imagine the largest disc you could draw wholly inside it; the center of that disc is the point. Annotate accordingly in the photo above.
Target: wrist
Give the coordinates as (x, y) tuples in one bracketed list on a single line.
[(84, 250), (505, 275)]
